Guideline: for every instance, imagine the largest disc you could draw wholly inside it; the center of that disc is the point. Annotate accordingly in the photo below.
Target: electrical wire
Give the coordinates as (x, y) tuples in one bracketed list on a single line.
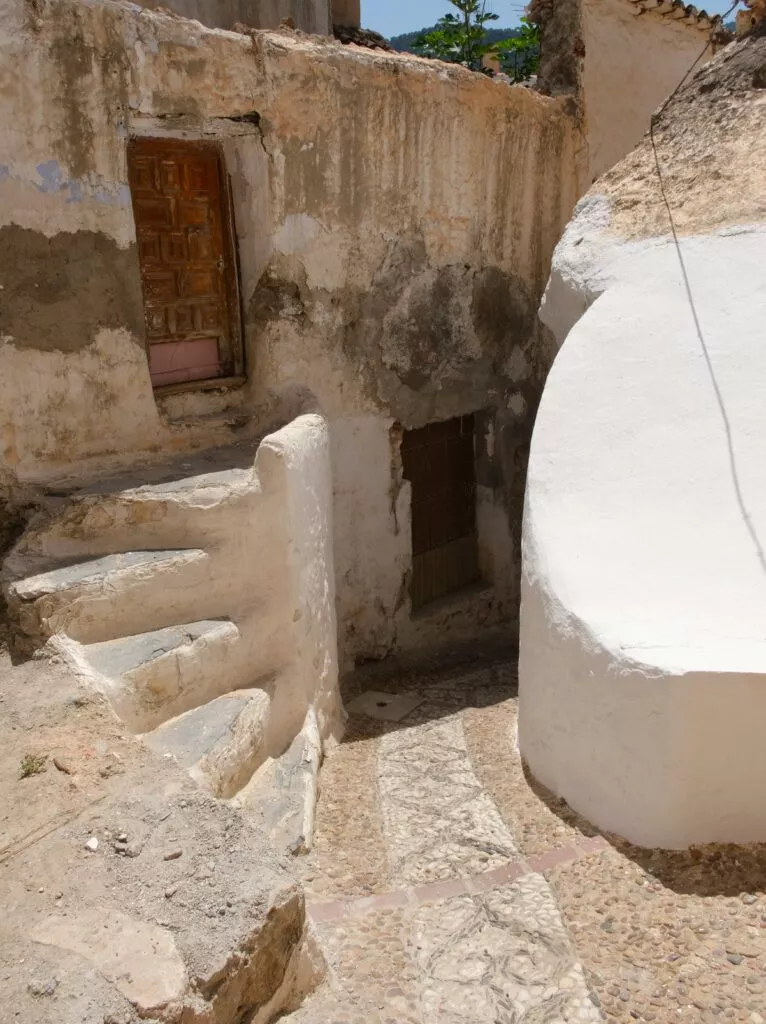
[(692, 304)]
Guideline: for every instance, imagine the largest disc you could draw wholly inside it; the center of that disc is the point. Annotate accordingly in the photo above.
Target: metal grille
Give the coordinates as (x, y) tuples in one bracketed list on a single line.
[(438, 460)]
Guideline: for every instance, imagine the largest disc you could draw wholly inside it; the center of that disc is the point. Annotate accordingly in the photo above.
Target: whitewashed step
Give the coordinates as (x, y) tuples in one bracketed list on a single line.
[(109, 597), (222, 743), (184, 502), (153, 677), (281, 798)]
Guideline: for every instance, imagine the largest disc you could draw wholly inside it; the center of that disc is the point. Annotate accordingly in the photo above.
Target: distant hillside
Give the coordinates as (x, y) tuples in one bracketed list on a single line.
[(404, 42)]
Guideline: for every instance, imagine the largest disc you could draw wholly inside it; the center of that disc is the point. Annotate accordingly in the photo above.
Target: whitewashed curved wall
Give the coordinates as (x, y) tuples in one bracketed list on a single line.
[(643, 646)]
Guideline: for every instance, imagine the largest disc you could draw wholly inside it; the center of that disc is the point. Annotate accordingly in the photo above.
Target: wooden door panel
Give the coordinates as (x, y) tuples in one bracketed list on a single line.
[(143, 173), (200, 244), (154, 211), (174, 247), (201, 283), (169, 175), (159, 286), (186, 255), (438, 460)]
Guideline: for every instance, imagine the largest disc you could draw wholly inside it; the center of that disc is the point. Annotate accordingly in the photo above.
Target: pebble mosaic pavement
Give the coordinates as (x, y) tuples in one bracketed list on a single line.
[(447, 887)]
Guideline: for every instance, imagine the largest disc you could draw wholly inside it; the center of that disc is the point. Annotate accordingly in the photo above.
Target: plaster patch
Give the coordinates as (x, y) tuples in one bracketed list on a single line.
[(318, 249)]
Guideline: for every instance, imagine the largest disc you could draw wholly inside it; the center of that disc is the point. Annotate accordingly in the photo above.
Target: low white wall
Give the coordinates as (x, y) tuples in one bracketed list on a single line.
[(643, 650), (294, 463)]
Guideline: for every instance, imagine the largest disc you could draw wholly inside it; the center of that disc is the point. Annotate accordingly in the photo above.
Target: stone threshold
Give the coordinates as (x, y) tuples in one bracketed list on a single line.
[(339, 910)]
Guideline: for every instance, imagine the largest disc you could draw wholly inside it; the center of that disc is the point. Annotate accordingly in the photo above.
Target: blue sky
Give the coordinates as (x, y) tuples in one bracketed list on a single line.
[(393, 16)]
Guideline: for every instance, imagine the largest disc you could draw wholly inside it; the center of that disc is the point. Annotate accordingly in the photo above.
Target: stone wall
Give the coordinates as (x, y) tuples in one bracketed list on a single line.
[(347, 13), (395, 223), (306, 15)]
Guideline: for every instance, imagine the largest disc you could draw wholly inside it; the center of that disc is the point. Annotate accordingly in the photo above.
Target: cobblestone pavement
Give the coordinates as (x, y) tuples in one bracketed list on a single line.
[(446, 887)]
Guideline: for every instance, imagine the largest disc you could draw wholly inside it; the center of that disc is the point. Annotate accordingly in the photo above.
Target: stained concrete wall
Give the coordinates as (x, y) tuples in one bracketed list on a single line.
[(395, 223), (306, 15)]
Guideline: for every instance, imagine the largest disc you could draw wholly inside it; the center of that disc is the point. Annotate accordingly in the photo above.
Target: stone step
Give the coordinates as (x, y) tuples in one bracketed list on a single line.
[(153, 677), (104, 598), (222, 743), (185, 502), (282, 795)]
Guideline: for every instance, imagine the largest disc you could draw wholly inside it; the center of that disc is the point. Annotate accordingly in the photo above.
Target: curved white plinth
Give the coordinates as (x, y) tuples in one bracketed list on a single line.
[(643, 622)]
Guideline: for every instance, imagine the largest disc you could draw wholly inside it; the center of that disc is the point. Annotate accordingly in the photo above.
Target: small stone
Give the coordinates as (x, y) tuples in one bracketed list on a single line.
[(122, 837), (170, 892), (42, 987), (92, 844), (734, 958), (756, 1018), (173, 855), (222, 911), (749, 898), (63, 766)]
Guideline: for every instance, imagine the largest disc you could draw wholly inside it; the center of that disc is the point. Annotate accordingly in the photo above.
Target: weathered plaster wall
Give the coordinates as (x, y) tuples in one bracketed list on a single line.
[(306, 15), (632, 62), (395, 223)]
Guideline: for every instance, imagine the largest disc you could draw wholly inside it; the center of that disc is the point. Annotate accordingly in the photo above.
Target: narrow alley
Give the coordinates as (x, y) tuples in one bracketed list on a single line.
[(446, 885)]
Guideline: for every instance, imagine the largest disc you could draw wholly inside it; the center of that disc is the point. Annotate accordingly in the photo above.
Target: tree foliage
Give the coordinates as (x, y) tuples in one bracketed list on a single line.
[(459, 38), (404, 42), (520, 56), (465, 38)]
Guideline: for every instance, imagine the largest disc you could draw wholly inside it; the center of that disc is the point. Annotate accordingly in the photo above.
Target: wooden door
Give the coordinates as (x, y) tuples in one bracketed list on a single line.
[(438, 460), (186, 255)]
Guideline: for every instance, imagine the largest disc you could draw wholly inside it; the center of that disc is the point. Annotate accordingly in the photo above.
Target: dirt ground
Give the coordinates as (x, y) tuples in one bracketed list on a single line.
[(445, 885), (127, 893)]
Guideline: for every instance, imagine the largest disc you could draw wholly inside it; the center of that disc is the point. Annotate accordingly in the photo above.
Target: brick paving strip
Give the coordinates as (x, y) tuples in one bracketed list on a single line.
[(339, 910)]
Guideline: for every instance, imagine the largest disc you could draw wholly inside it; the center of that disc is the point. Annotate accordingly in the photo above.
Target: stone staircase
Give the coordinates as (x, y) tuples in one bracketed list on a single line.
[(177, 594)]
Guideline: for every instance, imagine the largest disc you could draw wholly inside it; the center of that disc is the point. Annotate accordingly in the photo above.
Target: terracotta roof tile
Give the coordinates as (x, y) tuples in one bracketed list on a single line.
[(677, 10)]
